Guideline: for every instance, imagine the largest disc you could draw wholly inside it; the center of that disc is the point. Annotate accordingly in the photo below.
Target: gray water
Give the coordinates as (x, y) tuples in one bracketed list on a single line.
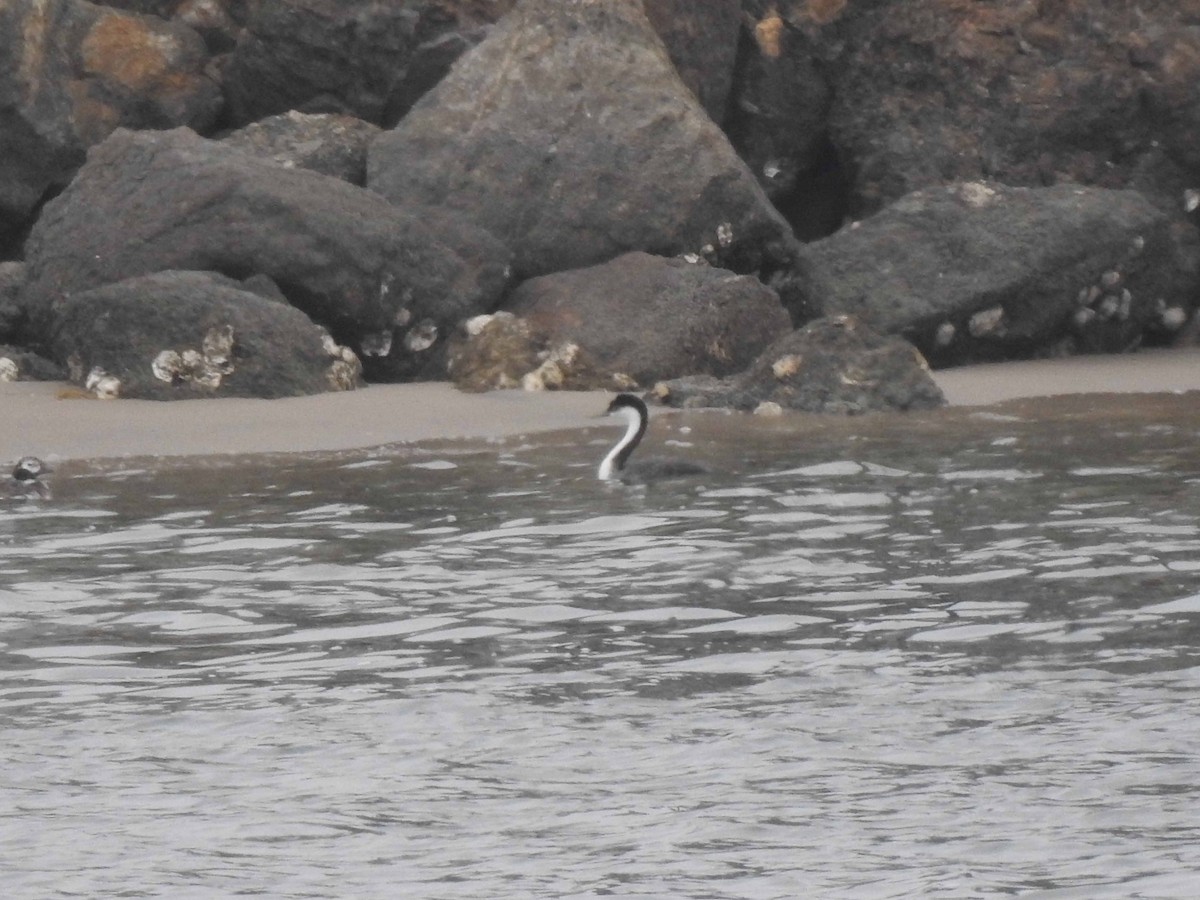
[(954, 655)]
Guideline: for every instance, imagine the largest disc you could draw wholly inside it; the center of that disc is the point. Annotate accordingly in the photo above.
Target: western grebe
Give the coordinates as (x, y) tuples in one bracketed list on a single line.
[(616, 464), (25, 482)]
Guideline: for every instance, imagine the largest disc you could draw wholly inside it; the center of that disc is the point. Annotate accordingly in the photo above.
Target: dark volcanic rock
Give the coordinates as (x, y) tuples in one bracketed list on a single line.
[(12, 316), (568, 131), (979, 271), (929, 91), (73, 72), (177, 335), (778, 121), (831, 365), (361, 57), (329, 144), (701, 37), (19, 364), (392, 282), (648, 317)]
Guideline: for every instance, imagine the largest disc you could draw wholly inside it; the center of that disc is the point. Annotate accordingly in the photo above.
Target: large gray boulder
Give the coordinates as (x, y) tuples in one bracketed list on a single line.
[(72, 73), (648, 317), (568, 132), (182, 335), (390, 281), (979, 271)]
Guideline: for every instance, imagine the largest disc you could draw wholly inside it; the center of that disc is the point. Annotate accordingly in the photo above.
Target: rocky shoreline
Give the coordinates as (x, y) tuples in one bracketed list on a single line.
[(732, 203)]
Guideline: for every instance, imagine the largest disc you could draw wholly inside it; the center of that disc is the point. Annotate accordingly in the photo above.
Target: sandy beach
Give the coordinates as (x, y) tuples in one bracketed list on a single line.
[(37, 421)]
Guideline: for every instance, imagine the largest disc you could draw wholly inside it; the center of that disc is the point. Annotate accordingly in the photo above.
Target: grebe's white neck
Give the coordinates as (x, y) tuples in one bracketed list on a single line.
[(615, 461)]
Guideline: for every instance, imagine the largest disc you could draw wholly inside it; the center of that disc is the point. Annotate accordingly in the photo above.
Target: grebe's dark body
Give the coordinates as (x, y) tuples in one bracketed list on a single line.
[(617, 466), (26, 483)]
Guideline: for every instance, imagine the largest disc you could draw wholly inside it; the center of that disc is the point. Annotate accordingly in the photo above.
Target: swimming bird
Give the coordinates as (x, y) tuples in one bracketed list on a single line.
[(616, 465), (25, 482)]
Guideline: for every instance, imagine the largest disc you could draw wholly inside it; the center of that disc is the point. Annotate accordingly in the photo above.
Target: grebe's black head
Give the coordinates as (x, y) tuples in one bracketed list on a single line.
[(627, 401), (29, 468)]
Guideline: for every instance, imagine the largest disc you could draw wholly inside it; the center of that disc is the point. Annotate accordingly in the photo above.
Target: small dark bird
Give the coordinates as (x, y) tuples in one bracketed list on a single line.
[(26, 482), (616, 465)]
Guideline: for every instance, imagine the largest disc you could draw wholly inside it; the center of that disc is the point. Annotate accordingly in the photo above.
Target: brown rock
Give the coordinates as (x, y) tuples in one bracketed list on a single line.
[(79, 71), (832, 365)]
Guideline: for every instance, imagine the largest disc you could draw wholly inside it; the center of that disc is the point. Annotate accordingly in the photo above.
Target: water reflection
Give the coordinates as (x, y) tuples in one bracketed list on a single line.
[(953, 655)]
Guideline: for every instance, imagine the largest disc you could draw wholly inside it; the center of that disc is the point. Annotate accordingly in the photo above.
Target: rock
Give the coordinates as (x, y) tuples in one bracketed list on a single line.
[(12, 316), (19, 364), (701, 37), (501, 351), (390, 281), (930, 91), (648, 318), (359, 57), (831, 365), (568, 131), (176, 335), (329, 144), (79, 71), (978, 271), (217, 21), (778, 121)]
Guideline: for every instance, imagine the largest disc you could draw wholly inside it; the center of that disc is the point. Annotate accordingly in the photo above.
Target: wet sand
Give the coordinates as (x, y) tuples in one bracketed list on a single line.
[(33, 418)]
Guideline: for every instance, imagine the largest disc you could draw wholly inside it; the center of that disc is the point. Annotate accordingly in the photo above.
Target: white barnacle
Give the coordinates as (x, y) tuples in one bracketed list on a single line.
[(8, 369), (975, 193), (1110, 279), (476, 324), (1083, 317), (421, 336), (377, 343), (768, 408), (546, 377), (725, 234), (1108, 306), (944, 336), (103, 385), (342, 375), (217, 348), (1125, 307), (1191, 200), (1138, 245), (207, 377), (986, 322), (166, 366), (787, 365), (1173, 317), (772, 169), (565, 353), (402, 317)]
